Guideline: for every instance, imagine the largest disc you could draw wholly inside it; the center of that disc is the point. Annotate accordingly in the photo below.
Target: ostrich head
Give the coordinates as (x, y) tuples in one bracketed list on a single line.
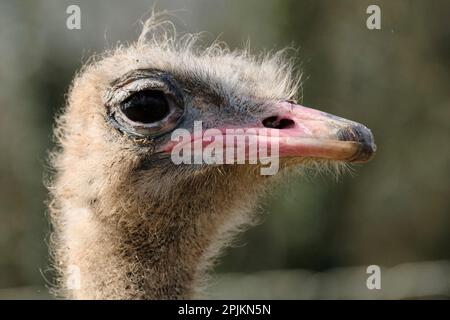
[(130, 221)]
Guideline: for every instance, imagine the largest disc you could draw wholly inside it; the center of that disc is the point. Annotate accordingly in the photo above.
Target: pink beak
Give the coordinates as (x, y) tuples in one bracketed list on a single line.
[(306, 132), (300, 132)]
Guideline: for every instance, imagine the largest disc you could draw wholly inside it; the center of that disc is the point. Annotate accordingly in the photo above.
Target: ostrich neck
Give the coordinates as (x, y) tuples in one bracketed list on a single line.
[(149, 250)]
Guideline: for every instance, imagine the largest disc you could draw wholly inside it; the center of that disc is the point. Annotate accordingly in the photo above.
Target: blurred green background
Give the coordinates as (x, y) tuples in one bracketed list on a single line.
[(319, 234)]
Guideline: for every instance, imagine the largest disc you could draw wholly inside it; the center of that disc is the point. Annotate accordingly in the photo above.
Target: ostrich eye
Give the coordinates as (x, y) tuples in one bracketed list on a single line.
[(146, 106), (149, 113), (145, 103)]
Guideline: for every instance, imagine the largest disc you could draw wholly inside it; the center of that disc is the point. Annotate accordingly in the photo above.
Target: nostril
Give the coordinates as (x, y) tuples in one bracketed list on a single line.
[(275, 122)]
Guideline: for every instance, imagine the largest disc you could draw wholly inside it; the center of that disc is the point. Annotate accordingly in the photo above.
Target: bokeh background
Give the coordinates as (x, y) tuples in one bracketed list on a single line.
[(319, 234)]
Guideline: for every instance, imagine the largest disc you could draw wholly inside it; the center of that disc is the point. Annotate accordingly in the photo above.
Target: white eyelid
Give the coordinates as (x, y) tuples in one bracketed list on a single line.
[(120, 94)]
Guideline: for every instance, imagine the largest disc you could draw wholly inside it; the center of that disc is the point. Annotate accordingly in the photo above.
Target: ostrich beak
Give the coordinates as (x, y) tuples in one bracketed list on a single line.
[(306, 132), (292, 130)]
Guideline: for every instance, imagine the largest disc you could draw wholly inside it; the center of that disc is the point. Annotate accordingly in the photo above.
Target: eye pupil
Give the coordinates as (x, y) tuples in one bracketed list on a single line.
[(146, 106)]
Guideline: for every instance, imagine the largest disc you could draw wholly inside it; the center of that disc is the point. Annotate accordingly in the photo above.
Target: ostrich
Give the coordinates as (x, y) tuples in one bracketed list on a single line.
[(130, 222)]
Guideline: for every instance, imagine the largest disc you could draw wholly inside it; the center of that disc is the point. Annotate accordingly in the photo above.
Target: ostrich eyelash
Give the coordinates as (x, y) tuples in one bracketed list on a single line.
[(138, 80)]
